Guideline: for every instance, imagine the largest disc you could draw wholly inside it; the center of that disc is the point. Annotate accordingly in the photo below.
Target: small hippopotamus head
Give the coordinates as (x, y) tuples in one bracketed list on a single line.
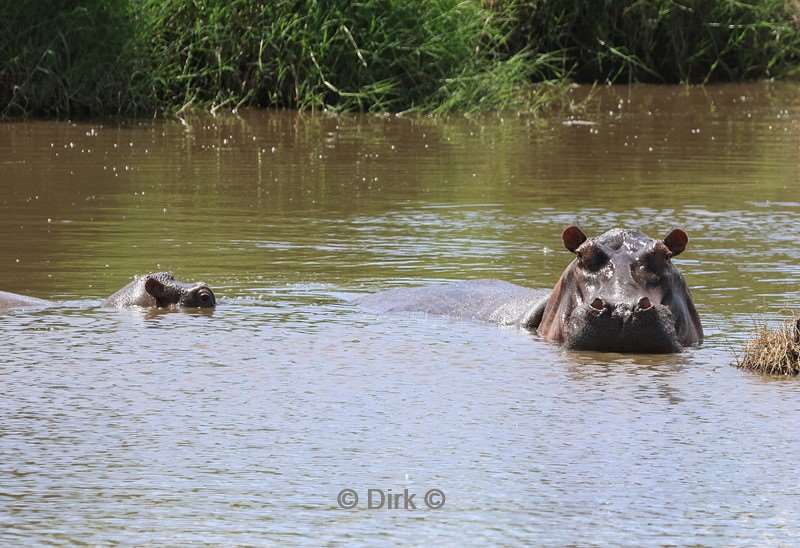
[(622, 293), (166, 290)]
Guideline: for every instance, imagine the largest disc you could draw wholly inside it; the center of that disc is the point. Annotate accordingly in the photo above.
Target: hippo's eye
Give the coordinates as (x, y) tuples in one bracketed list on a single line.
[(591, 257), (645, 273), (656, 260), (649, 268)]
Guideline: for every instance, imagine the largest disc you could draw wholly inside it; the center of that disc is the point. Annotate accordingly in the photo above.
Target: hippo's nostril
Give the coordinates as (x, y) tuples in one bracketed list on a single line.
[(644, 303), (598, 304)]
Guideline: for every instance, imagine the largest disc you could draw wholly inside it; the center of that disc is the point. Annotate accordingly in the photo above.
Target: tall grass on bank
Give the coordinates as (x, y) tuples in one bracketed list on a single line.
[(100, 57), (664, 41), (369, 55), (59, 57), (62, 58)]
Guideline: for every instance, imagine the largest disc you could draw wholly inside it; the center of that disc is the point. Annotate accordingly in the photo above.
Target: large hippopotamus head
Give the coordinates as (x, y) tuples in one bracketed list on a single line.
[(622, 293)]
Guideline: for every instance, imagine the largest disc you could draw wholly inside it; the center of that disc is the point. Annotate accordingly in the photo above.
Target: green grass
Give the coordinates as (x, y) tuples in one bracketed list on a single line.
[(145, 57), (58, 58), (665, 41), (372, 55)]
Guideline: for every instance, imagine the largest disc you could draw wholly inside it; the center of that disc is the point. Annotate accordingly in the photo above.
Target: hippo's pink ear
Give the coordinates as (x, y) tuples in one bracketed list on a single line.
[(573, 237), (676, 241), (154, 288)]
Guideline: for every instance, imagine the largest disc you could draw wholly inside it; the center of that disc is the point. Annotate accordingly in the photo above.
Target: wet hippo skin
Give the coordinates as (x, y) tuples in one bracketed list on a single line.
[(487, 300), (621, 293)]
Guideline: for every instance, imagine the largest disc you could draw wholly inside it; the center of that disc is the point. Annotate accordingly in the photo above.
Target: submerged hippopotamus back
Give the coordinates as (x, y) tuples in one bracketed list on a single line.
[(160, 290), (621, 293), (13, 300)]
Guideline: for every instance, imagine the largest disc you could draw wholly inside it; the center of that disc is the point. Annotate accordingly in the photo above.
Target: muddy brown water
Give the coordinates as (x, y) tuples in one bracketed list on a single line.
[(243, 425)]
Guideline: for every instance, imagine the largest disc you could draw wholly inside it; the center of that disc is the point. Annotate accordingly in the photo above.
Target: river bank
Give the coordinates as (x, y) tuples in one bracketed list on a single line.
[(155, 57)]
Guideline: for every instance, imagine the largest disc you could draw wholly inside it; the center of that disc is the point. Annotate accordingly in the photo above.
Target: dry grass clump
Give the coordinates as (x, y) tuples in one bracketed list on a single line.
[(773, 352)]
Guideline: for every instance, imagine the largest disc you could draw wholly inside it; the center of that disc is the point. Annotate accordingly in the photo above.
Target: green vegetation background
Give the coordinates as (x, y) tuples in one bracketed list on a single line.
[(143, 57)]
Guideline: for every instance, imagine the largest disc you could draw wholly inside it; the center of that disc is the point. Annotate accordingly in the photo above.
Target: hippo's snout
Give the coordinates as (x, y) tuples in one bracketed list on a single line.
[(643, 307), (638, 326), (205, 297), (199, 296)]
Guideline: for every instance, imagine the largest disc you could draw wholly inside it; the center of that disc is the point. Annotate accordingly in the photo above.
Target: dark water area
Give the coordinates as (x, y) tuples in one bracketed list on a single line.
[(243, 425)]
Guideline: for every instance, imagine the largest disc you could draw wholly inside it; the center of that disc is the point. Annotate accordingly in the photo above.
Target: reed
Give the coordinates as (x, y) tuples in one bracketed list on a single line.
[(67, 58), (61, 58), (664, 41), (370, 55)]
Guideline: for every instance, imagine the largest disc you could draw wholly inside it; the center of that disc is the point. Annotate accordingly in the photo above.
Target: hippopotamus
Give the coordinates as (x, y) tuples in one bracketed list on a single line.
[(12, 300), (621, 293), (161, 290)]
